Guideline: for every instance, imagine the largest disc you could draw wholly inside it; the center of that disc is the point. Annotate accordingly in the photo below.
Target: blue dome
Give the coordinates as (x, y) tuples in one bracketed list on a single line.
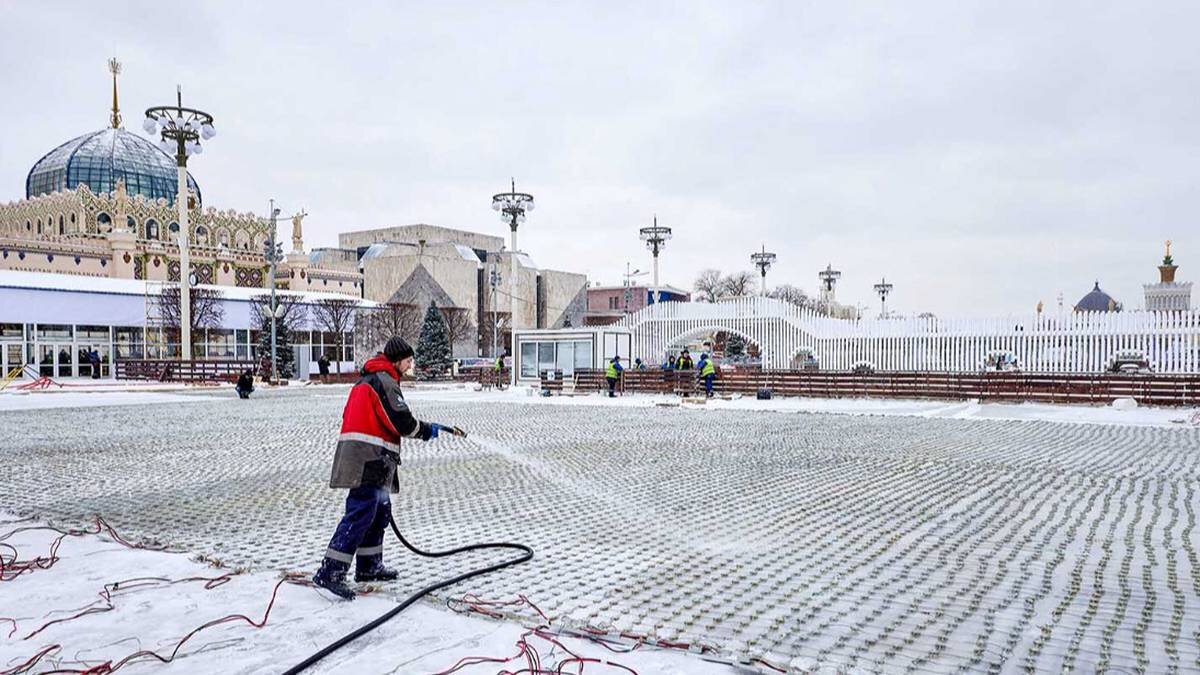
[(1097, 301), (98, 159)]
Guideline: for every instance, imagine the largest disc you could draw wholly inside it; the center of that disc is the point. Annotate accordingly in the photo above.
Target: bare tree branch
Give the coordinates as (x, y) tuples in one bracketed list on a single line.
[(708, 286), (792, 294), (737, 285), (335, 315), (207, 310), (500, 320), (458, 324), (375, 325), (294, 312)]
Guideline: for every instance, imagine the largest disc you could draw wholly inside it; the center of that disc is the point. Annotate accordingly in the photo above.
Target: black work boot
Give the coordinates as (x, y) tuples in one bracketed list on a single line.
[(372, 569), (332, 577)]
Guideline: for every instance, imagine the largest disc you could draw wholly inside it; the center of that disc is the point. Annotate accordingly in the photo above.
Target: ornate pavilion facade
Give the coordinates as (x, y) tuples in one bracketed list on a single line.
[(103, 205), (96, 237)]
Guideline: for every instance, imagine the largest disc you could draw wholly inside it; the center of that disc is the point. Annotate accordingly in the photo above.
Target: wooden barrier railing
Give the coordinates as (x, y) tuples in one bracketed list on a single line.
[(1100, 388), (170, 370), (485, 375), (488, 376), (345, 377)]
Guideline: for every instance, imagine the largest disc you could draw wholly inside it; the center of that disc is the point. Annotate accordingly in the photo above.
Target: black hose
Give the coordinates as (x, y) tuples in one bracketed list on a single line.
[(526, 554)]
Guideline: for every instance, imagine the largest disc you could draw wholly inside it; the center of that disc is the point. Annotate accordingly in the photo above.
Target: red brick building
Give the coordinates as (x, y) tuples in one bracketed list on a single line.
[(607, 304)]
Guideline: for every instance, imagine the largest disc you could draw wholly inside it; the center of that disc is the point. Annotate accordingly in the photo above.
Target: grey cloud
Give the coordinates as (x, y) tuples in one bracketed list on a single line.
[(983, 156)]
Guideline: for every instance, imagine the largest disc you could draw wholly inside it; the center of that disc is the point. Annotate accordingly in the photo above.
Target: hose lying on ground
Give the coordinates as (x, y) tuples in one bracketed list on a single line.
[(527, 553)]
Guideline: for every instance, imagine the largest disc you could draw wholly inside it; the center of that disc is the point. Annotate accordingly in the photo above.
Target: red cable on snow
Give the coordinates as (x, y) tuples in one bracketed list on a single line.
[(109, 666), (582, 661), (109, 589), (28, 665), (532, 657), (771, 666), (11, 567)]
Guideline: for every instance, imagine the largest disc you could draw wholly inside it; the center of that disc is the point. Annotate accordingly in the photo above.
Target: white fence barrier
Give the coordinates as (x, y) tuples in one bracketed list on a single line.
[(1055, 342)]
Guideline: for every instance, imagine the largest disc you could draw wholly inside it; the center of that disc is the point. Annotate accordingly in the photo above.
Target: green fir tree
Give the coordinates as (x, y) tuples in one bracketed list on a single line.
[(433, 347), (735, 345), (283, 348)]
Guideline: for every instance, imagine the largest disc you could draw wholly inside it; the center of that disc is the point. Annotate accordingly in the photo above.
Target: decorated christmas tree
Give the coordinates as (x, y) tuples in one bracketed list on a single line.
[(735, 345), (433, 347), (284, 353)]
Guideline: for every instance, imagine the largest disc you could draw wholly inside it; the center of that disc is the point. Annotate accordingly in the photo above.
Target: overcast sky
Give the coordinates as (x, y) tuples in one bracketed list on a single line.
[(982, 156)]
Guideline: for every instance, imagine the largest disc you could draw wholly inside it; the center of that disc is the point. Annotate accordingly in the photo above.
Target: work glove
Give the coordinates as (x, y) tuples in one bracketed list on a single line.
[(434, 428)]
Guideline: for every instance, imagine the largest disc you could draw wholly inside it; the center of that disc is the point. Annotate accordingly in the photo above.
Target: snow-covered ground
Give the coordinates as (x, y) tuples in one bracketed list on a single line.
[(893, 536), (85, 393), (963, 410), (82, 399), (128, 600)]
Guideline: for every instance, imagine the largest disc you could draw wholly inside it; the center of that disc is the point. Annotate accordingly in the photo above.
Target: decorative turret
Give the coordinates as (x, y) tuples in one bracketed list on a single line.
[(1166, 270), (1168, 295)]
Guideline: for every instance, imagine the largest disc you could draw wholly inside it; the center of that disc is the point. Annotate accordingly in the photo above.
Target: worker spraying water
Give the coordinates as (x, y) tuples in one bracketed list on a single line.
[(374, 421)]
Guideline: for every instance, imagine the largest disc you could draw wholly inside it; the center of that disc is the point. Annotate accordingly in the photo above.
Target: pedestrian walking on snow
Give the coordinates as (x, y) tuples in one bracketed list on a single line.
[(323, 367), (94, 361), (376, 417)]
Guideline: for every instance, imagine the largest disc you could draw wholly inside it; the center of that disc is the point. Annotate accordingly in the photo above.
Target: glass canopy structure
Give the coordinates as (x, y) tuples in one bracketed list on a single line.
[(99, 158)]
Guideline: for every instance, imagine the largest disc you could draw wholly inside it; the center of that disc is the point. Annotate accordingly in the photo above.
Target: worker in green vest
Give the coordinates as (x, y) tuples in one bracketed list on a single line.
[(707, 373), (612, 373)]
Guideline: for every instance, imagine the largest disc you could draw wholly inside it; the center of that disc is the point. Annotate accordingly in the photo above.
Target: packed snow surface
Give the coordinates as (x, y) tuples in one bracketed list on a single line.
[(102, 602), (905, 536)]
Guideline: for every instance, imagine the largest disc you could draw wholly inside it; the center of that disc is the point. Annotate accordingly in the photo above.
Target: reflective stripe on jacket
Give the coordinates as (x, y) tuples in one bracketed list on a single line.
[(374, 420)]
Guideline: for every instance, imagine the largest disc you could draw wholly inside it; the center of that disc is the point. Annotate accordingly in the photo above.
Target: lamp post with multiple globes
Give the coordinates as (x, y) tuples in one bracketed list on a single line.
[(883, 289), (513, 207), (180, 130), (656, 237), (763, 261)]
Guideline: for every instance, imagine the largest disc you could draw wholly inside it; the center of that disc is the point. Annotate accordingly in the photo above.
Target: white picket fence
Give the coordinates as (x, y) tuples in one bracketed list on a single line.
[(1054, 342)]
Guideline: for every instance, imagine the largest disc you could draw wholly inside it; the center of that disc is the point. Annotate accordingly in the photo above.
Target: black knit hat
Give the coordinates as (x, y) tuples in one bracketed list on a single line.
[(397, 349)]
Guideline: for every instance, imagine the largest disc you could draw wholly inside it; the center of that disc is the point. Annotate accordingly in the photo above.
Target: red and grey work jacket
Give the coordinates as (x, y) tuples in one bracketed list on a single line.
[(373, 422)]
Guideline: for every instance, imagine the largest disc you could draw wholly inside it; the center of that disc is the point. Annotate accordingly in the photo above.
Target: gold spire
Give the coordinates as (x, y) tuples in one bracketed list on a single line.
[(114, 67), (1168, 248)]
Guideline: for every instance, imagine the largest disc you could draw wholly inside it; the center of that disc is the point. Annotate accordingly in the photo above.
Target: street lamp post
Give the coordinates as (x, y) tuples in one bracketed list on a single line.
[(630, 274), (883, 288), (763, 261), (273, 252), (829, 278), (656, 237), (512, 207), (180, 130), (494, 279)]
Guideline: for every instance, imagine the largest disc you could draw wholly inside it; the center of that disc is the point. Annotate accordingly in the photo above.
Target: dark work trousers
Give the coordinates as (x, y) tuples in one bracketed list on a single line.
[(612, 385), (360, 534), (708, 380)]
